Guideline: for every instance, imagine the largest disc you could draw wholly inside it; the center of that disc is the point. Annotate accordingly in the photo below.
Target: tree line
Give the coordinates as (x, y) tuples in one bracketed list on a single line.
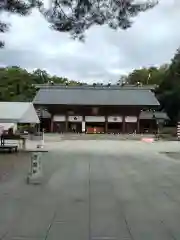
[(17, 84)]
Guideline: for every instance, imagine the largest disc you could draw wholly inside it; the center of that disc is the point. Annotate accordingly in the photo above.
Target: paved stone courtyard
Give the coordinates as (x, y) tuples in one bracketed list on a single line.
[(93, 190)]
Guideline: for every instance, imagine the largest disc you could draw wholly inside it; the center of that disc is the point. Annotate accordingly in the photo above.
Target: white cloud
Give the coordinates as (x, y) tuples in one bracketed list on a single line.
[(152, 40)]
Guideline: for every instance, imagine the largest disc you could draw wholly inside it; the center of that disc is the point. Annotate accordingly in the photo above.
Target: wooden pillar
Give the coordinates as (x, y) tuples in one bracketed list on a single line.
[(106, 124), (153, 127), (124, 125), (138, 125), (66, 124), (52, 125)]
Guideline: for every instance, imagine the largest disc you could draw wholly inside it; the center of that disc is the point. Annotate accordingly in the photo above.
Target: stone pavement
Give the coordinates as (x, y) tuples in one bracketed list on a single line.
[(94, 190)]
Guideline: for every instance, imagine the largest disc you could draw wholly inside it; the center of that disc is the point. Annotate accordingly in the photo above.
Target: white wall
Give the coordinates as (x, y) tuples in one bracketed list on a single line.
[(59, 118), (94, 119)]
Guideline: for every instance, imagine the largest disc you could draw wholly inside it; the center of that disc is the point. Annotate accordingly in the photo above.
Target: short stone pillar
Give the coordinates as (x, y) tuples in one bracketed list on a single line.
[(36, 172)]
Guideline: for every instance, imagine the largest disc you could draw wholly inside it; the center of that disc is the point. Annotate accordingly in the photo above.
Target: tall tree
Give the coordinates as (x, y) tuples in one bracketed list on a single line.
[(172, 78), (169, 89), (77, 16)]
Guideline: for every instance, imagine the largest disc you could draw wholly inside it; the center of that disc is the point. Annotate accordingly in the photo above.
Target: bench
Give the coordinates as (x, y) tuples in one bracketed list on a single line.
[(12, 137), (9, 148)]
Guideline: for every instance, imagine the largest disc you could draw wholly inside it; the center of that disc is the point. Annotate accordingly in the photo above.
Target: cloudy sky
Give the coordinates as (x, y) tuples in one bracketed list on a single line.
[(105, 55)]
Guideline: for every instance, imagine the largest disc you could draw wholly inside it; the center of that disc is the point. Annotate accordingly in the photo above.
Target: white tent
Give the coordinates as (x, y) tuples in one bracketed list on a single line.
[(6, 126), (18, 112)]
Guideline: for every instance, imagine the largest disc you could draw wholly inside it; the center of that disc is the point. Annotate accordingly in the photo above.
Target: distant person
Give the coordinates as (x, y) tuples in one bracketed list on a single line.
[(10, 131), (58, 128)]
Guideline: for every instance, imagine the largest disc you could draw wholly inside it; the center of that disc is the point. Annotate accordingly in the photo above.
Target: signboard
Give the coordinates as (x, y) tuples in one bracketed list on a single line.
[(75, 118), (115, 119), (36, 164), (59, 118), (131, 119), (95, 119), (36, 174)]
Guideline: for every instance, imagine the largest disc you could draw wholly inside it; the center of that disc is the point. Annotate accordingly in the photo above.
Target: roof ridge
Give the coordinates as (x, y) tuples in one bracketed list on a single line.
[(97, 89)]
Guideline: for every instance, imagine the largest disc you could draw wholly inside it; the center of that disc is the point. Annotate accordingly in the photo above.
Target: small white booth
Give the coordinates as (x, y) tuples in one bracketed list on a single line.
[(12, 113)]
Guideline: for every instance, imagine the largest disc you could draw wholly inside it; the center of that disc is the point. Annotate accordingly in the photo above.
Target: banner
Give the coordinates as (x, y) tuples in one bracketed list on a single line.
[(115, 119), (75, 118)]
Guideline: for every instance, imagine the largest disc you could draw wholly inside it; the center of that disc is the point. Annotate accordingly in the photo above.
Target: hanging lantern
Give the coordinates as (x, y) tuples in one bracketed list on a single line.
[(95, 111)]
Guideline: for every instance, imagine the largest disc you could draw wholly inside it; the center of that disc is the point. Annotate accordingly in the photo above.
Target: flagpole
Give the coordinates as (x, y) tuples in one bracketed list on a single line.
[(149, 75)]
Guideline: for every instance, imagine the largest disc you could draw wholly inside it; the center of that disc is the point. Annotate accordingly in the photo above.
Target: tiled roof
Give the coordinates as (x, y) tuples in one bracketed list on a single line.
[(95, 96)]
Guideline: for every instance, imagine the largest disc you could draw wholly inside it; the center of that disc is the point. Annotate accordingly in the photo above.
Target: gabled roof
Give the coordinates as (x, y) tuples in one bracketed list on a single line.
[(18, 112), (161, 115), (43, 113), (95, 96)]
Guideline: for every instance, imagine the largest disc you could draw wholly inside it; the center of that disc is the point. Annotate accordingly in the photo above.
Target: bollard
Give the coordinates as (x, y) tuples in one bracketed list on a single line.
[(41, 144), (36, 173)]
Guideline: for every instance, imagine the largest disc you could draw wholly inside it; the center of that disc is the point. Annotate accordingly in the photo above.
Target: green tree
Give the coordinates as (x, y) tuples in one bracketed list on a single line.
[(123, 79), (138, 75), (169, 89), (77, 16), (172, 77), (17, 84), (147, 76)]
